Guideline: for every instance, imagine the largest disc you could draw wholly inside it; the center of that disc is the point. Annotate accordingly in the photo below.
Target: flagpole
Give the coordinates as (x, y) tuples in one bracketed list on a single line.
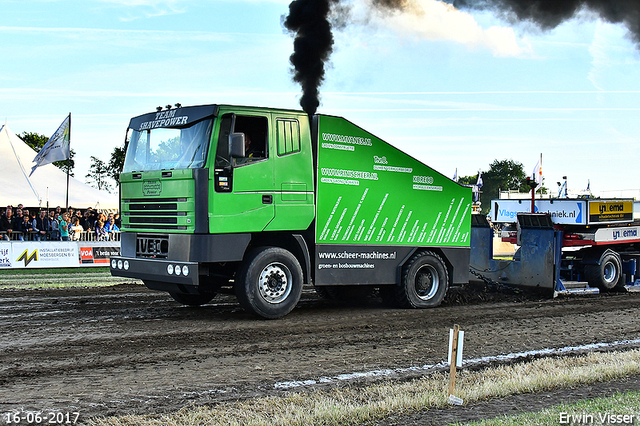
[(66, 205), (540, 175)]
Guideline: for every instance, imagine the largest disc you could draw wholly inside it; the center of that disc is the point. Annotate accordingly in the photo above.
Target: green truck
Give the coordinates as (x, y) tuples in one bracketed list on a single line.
[(260, 201)]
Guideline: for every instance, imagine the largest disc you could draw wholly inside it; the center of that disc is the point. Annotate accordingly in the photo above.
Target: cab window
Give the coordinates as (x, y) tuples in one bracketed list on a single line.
[(255, 131)]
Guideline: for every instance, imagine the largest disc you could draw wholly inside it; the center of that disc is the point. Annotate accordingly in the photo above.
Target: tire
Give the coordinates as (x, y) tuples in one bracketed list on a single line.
[(269, 282), (425, 281), (606, 273), (192, 299)]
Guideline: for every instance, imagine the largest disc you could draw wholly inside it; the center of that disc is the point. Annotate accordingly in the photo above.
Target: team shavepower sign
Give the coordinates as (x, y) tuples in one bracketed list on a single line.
[(374, 194)]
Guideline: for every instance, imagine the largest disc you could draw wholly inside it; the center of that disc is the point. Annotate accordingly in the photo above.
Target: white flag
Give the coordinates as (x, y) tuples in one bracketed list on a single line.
[(56, 148), (537, 172), (562, 192)]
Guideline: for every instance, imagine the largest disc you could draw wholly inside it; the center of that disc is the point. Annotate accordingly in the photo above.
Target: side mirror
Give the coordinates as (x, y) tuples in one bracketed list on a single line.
[(236, 144)]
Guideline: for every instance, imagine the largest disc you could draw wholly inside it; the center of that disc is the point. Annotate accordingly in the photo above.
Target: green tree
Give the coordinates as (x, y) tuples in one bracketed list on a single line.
[(37, 141), (503, 175), (116, 163), (468, 180), (98, 175)]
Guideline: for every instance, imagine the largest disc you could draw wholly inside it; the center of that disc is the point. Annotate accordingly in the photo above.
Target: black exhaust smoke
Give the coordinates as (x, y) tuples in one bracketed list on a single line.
[(312, 46), (311, 22), (549, 14)]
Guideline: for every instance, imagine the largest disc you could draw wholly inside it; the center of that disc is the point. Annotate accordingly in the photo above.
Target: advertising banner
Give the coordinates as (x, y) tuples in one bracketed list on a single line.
[(63, 254), (98, 254), (36, 254), (370, 193), (562, 211), (618, 233), (566, 211), (610, 211), (350, 264)]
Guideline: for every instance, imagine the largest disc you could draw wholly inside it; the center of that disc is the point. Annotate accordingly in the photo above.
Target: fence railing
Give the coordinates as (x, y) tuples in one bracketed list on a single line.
[(55, 236)]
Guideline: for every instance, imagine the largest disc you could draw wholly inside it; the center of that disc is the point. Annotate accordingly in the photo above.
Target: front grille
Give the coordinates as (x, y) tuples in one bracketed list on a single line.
[(164, 220), (155, 214), (152, 246), (151, 207)]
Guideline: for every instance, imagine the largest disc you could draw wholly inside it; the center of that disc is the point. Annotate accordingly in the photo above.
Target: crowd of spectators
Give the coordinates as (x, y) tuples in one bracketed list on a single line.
[(20, 224)]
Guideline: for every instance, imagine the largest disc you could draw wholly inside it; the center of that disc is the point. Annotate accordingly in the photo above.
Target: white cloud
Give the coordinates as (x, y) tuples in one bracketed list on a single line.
[(599, 52), (437, 20)]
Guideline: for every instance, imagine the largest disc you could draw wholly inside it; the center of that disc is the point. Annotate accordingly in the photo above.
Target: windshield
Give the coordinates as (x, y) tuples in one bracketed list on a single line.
[(168, 148)]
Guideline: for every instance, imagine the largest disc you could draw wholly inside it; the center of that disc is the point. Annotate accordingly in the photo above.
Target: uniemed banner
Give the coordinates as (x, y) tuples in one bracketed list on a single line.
[(610, 211), (372, 193)]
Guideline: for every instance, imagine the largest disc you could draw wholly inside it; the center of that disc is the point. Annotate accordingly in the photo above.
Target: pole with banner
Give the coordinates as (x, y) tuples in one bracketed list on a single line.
[(66, 201), (56, 148)]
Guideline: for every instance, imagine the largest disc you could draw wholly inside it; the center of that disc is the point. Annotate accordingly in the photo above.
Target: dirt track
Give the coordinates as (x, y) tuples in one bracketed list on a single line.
[(125, 349)]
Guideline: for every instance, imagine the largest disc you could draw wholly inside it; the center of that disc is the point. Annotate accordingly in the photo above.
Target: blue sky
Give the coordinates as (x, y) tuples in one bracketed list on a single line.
[(456, 90)]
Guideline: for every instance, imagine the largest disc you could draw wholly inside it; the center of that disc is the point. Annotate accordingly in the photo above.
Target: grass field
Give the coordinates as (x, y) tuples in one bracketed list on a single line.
[(59, 278), (360, 406), (622, 408)]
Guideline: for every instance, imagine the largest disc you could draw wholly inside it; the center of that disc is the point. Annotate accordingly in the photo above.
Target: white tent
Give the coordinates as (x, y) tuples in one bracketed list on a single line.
[(47, 184)]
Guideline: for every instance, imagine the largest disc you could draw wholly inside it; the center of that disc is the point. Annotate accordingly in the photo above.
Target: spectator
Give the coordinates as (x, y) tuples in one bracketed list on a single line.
[(111, 228), (42, 226), (16, 221), (117, 220), (84, 221), (101, 233), (64, 226), (26, 226), (75, 230), (93, 218), (6, 223), (55, 225)]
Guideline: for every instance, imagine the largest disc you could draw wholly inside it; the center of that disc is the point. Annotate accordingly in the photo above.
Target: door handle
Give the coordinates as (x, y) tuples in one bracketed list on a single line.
[(267, 199)]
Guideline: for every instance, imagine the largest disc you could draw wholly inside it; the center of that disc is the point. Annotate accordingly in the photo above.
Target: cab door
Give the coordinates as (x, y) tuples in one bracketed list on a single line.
[(243, 189)]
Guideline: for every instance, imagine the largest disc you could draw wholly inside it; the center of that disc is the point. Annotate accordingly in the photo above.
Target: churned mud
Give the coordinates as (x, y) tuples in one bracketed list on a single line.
[(125, 349)]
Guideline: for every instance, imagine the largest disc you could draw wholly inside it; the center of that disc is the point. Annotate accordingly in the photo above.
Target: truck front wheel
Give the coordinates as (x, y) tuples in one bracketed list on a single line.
[(425, 281), (606, 273), (269, 283)]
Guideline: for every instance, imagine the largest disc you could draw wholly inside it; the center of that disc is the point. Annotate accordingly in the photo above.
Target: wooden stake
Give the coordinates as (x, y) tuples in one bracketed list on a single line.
[(454, 359)]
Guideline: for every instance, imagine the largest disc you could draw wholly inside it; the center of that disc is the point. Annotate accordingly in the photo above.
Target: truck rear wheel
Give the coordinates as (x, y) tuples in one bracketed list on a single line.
[(425, 281), (192, 299), (606, 273), (269, 282)]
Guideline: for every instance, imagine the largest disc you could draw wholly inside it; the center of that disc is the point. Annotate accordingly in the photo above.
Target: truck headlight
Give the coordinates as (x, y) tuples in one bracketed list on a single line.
[(119, 264), (114, 264), (126, 265), (185, 270), (178, 270), (170, 269)]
